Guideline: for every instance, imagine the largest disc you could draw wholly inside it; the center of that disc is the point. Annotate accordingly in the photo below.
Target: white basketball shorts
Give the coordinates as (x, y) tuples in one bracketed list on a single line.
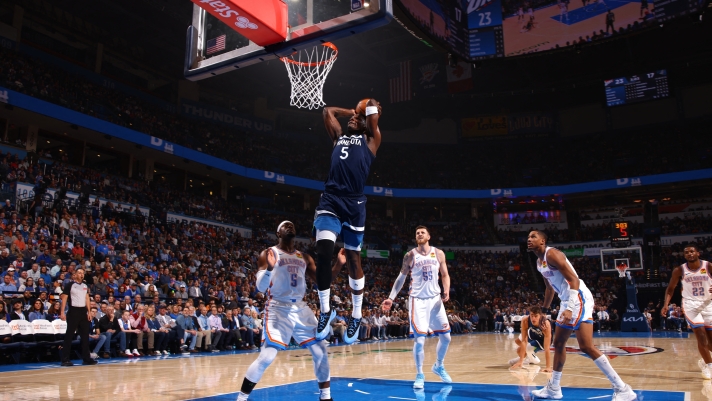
[(698, 313), (427, 315), (286, 320), (583, 313)]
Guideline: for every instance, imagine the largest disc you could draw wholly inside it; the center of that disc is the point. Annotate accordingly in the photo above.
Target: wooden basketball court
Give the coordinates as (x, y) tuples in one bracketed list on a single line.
[(550, 29), (659, 367)]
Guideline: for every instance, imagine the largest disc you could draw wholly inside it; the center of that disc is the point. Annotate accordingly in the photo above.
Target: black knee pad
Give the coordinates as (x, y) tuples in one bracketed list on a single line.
[(324, 255)]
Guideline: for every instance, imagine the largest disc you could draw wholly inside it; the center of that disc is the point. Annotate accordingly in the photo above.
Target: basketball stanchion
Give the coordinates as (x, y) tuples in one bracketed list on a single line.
[(307, 71)]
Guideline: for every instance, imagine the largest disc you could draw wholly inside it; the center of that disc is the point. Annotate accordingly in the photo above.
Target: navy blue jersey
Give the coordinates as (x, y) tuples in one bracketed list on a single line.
[(350, 163)]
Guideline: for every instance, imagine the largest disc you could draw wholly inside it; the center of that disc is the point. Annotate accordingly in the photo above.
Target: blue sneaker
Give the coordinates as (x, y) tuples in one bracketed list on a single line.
[(322, 329), (442, 373), (442, 395), (351, 334), (419, 381)]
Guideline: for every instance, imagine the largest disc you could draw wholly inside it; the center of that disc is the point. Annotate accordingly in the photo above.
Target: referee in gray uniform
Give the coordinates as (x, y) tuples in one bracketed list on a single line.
[(76, 293)]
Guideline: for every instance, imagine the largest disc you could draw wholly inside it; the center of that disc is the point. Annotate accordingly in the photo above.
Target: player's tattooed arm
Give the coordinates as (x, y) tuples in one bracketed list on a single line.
[(405, 270)]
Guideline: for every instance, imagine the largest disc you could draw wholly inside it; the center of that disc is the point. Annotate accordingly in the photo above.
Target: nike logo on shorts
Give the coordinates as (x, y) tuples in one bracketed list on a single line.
[(360, 202)]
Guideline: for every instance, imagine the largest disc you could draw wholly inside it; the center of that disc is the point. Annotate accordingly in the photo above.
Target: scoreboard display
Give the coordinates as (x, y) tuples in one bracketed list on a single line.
[(636, 88), (484, 25), (620, 233), (484, 29)]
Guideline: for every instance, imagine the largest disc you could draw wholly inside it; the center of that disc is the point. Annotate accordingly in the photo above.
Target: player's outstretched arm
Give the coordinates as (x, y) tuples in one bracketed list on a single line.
[(670, 291), (444, 275), (333, 128), (372, 124), (522, 350), (405, 269)]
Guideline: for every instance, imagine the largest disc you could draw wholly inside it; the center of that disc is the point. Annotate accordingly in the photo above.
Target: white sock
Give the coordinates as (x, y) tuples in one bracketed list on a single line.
[(556, 379), (605, 366), (357, 301), (242, 396), (324, 297), (325, 393)]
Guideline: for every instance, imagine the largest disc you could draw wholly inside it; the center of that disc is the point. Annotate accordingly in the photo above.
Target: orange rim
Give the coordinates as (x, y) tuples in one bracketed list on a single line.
[(304, 64)]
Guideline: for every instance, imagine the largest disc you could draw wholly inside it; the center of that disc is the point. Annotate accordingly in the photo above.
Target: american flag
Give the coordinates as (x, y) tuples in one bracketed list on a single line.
[(399, 82), (215, 45)]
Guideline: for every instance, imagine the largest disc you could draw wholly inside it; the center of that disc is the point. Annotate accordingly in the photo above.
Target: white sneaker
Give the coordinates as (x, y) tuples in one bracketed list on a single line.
[(376, 338), (551, 392), (532, 359), (165, 352), (156, 353), (94, 355), (513, 361), (624, 394), (135, 352), (706, 374)]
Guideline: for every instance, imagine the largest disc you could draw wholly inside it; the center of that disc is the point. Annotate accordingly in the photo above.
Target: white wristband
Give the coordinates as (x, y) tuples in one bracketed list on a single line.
[(371, 110)]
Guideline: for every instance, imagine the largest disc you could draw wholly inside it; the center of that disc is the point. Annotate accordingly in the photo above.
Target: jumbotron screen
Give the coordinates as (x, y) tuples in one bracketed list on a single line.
[(481, 29), (636, 88)]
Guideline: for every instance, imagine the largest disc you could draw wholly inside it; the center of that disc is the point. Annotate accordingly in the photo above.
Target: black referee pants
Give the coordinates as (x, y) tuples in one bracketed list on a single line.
[(77, 323)]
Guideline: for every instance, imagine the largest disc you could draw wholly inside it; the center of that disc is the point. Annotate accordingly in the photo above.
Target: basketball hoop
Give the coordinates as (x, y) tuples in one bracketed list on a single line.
[(622, 269), (307, 70)]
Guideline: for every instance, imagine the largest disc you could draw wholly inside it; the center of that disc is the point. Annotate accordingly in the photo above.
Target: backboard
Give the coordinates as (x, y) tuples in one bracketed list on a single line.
[(214, 48), (612, 257)]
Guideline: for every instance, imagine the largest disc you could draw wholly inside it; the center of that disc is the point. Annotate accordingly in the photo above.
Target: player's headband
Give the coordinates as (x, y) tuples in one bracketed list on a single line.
[(283, 223)]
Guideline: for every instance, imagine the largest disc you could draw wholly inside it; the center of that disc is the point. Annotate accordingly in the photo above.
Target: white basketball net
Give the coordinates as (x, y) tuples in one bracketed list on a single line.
[(622, 269), (307, 71)]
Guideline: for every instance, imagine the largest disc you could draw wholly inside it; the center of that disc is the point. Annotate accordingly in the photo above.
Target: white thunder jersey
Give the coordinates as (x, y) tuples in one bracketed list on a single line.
[(696, 283), (287, 283), (555, 278), (424, 274)]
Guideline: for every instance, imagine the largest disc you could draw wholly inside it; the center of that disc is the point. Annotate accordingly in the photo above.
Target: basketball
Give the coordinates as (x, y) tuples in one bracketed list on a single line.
[(361, 107)]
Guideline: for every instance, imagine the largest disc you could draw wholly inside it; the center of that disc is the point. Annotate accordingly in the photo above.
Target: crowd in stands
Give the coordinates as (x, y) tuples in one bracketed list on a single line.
[(565, 161)]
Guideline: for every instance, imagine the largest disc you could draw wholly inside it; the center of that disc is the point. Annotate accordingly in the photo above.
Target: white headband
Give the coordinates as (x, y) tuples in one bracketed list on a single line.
[(283, 223)]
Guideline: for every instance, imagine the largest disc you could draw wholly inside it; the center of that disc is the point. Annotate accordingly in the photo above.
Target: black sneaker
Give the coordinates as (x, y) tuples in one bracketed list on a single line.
[(67, 363), (90, 362), (322, 330), (351, 334)]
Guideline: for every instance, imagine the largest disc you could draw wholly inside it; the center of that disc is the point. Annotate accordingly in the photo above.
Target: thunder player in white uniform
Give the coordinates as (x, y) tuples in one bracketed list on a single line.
[(427, 312), (281, 276), (696, 302), (575, 315)]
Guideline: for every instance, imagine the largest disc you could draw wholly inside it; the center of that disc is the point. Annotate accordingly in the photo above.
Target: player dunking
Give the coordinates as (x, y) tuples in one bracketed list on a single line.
[(535, 331), (575, 315), (342, 206), (696, 302), (427, 312), (281, 274)]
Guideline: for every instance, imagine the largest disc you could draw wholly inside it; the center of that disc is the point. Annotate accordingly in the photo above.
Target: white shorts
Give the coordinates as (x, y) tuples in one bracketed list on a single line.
[(427, 315), (284, 321), (698, 313), (581, 314)]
